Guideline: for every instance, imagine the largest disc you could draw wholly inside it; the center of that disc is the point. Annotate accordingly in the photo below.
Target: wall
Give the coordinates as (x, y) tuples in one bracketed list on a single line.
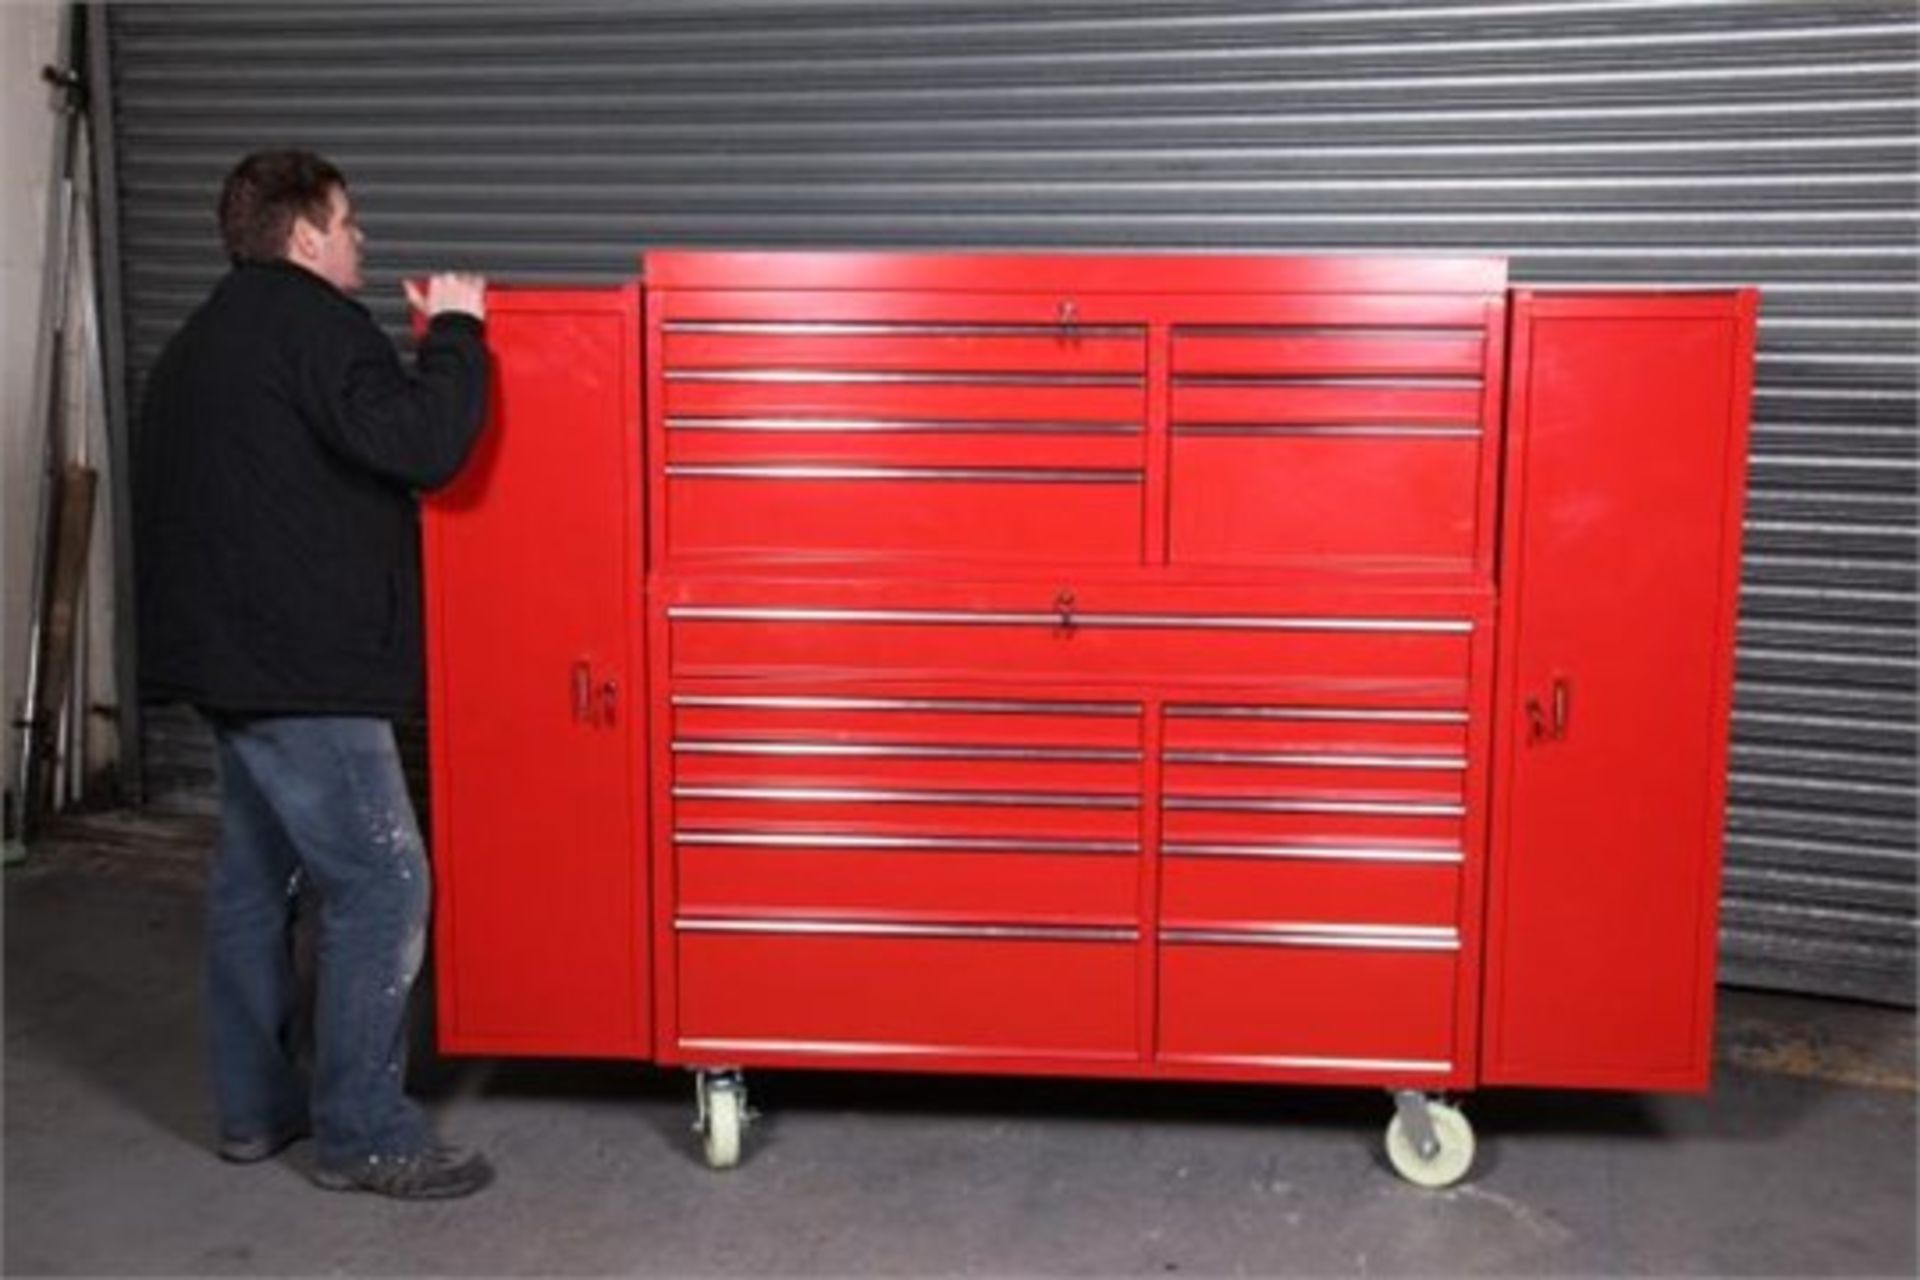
[(29, 33)]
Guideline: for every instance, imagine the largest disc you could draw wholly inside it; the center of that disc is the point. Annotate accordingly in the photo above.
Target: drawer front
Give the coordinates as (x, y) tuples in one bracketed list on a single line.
[(1304, 882), (1065, 643), (1017, 809), (1341, 438), (1308, 1005), (805, 424), (744, 992)]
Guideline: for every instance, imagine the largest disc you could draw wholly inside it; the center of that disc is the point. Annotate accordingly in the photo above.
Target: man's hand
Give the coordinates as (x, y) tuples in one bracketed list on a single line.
[(450, 291)]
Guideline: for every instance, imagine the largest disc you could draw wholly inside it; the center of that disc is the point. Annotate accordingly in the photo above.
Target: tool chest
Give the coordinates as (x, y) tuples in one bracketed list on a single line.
[(1307, 670)]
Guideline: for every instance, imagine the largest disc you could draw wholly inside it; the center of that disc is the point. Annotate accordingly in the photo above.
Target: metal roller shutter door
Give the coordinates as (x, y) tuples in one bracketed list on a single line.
[(1594, 141)]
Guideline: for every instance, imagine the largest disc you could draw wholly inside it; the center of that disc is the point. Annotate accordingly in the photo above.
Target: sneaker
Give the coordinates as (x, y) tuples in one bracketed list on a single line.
[(261, 1147), (437, 1173)]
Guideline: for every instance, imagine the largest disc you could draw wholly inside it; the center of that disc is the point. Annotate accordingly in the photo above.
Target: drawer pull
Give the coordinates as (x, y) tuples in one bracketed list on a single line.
[(881, 795), (1322, 852), (1370, 937), (985, 706), (900, 751), (889, 929), (928, 844), (1318, 760), (1385, 808), (1139, 621)]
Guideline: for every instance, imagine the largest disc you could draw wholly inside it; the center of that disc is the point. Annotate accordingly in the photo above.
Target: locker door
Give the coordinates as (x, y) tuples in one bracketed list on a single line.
[(533, 575), (1619, 583)]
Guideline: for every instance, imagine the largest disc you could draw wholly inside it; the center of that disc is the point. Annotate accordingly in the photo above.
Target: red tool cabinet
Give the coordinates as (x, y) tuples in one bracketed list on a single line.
[(1294, 669)]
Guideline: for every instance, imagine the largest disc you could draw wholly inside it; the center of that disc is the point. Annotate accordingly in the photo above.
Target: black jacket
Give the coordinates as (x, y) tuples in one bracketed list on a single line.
[(277, 547)]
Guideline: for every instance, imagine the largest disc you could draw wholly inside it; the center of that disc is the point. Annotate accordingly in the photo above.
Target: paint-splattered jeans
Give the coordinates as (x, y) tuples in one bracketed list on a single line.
[(320, 799)]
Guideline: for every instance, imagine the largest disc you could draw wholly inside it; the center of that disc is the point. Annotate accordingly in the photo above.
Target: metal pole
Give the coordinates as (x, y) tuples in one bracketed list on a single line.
[(45, 377), (111, 316)]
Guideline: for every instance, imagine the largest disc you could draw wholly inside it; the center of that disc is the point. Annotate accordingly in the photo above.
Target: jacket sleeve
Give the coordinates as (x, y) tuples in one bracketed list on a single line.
[(414, 428)]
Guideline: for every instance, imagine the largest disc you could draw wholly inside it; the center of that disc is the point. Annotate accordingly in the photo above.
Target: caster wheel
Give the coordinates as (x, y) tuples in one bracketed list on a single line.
[(1445, 1166), (723, 1118)]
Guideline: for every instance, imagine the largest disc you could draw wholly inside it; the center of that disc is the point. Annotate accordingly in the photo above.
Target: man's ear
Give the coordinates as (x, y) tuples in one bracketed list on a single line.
[(303, 239)]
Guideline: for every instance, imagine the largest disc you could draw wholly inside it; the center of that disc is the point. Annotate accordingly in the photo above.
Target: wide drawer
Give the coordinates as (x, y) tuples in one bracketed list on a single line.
[(1066, 638), (1330, 1003), (861, 990)]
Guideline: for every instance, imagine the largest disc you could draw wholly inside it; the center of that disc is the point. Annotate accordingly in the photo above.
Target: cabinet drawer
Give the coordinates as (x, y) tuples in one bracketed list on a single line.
[(1299, 1006), (973, 514), (722, 640), (1221, 883), (862, 989), (1281, 495), (915, 876)]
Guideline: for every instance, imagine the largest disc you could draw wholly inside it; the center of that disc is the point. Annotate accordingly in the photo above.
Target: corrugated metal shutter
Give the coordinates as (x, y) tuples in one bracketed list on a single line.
[(1674, 141)]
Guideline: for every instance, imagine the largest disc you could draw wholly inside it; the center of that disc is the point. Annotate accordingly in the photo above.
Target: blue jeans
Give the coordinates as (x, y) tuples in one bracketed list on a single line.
[(322, 800)]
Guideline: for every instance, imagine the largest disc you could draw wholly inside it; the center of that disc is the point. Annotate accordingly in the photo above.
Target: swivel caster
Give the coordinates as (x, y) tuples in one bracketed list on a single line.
[(1430, 1144), (722, 1116)]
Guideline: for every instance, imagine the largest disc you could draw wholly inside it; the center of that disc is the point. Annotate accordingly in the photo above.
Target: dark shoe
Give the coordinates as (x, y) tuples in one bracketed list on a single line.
[(438, 1173), (263, 1147)]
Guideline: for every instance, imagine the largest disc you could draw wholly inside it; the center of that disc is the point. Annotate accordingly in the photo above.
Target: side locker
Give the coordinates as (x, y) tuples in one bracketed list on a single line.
[(1619, 582), (534, 573)]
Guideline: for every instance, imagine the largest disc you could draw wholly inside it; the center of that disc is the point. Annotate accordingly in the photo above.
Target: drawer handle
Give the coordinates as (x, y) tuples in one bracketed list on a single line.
[(1548, 723)]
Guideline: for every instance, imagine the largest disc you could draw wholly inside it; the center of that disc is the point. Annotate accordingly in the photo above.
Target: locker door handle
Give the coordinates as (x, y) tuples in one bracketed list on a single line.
[(609, 702), (1548, 723), (583, 691)]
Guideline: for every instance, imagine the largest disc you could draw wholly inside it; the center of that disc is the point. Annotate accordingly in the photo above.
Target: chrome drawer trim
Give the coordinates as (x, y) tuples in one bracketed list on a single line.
[(1354, 936), (1290, 1061), (890, 377), (1308, 430), (973, 475), (1437, 333), (1312, 759), (1315, 852), (928, 844), (904, 426), (1224, 711), (1082, 621), (905, 328), (902, 751), (1356, 381), (882, 795), (890, 929), (985, 706), (1253, 804)]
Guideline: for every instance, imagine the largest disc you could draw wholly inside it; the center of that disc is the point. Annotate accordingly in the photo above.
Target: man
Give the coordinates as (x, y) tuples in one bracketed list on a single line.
[(280, 452)]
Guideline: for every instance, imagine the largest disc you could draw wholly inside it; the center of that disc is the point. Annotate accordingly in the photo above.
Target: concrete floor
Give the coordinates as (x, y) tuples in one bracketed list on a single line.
[(1802, 1162)]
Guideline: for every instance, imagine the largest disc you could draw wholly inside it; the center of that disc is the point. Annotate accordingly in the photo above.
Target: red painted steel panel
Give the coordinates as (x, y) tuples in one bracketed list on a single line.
[(756, 997), (1388, 1014), (536, 698), (1623, 544)]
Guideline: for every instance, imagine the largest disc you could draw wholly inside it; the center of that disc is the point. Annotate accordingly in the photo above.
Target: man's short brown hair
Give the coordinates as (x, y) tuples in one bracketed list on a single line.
[(266, 192)]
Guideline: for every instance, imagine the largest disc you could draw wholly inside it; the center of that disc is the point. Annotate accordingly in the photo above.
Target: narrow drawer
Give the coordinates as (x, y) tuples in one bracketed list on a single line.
[(1267, 1002), (1229, 883), (912, 876), (1260, 820), (862, 990)]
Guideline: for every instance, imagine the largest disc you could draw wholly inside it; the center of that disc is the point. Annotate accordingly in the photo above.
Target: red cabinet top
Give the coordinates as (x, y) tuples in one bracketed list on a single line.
[(1083, 272)]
